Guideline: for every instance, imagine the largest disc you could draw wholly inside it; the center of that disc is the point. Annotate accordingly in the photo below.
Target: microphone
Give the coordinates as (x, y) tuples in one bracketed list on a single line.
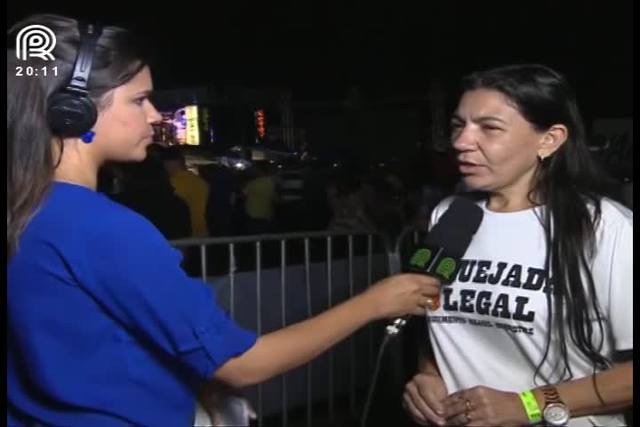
[(443, 248)]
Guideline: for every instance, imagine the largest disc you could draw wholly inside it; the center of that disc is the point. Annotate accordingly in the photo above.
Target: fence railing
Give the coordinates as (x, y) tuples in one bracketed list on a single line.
[(312, 272)]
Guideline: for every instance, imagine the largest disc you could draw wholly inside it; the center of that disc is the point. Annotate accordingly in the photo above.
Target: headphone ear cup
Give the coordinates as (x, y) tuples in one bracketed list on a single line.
[(70, 115)]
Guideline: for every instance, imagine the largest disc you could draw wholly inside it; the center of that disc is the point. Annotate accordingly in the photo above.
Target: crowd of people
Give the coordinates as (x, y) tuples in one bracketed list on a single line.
[(215, 200)]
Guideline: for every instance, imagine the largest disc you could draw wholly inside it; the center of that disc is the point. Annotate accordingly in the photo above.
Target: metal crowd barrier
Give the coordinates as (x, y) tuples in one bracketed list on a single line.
[(326, 262)]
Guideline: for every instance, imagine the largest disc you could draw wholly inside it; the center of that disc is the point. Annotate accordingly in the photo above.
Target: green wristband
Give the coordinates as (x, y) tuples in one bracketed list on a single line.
[(531, 406)]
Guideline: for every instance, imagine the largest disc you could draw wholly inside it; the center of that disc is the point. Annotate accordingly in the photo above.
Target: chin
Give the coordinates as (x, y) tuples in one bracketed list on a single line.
[(140, 156), (476, 183), (135, 156)]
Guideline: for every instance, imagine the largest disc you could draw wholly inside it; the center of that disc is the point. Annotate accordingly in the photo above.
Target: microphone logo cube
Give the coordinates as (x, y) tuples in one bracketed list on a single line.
[(446, 268), (421, 258)]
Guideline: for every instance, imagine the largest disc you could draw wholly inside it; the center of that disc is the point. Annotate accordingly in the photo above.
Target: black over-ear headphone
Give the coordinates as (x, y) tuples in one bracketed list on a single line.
[(70, 111)]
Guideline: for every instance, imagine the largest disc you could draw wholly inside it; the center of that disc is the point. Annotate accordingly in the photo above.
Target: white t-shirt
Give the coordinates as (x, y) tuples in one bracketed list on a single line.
[(491, 326)]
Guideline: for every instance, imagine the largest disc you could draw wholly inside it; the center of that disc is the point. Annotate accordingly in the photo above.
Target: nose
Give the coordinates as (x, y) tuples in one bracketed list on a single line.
[(153, 116), (463, 138)]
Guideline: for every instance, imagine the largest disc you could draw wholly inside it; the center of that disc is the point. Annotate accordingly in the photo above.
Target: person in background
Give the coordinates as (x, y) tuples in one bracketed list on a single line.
[(148, 191), (221, 200), (259, 200), (189, 187)]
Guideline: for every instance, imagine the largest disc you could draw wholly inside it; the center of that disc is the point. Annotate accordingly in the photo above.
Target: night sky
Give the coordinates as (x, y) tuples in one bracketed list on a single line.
[(320, 49)]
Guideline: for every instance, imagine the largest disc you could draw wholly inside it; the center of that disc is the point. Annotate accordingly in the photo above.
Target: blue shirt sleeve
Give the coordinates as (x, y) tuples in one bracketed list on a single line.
[(135, 275)]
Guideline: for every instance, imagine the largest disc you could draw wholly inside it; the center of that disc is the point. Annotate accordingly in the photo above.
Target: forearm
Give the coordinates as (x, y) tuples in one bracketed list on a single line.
[(427, 363), (615, 386), (290, 347)]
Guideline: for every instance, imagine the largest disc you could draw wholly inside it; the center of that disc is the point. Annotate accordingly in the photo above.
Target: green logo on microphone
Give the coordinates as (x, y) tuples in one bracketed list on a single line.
[(420, 258), (446, 267)]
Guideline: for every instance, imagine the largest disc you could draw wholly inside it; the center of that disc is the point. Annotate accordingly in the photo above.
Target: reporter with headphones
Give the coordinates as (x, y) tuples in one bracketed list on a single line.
[(104, 328)]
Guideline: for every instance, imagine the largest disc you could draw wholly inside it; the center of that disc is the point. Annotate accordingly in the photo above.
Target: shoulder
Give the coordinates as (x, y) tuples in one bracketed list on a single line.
[(76, 219), (614, 214), (196, 181), (445, 203), (616, 210), (105, 220)]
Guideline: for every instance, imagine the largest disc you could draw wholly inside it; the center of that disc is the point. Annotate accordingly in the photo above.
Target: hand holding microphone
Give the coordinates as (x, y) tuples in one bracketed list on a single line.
[(439, 256), (402, 294)]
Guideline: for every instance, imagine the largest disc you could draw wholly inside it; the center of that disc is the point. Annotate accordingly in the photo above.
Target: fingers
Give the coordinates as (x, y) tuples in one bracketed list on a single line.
[(413, 411), (459, 420), (423, 391), (421, 404), (426, 303), (454, 406), (459, 411), (404, 294), (428, 284)]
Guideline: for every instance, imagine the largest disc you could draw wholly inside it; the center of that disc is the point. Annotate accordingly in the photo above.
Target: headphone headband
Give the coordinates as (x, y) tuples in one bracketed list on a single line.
[(70, 111), (89, 35)]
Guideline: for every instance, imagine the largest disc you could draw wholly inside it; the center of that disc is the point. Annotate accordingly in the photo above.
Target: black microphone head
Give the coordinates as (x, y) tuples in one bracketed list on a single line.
[(448, 241), (456, 227)]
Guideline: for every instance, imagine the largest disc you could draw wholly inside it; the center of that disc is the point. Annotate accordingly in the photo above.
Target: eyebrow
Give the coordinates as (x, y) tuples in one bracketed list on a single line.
[(144, 92), (480, 119)]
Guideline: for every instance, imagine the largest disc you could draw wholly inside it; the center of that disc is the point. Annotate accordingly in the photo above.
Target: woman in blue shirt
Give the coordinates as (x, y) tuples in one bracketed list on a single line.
[(104, 327)]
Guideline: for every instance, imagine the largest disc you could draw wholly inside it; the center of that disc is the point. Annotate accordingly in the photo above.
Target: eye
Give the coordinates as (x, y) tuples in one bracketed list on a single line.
[(140, 101), (491, 127), (455, 125)]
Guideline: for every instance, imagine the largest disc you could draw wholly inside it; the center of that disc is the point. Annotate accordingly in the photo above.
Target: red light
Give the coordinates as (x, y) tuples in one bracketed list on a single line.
[(260, 123)]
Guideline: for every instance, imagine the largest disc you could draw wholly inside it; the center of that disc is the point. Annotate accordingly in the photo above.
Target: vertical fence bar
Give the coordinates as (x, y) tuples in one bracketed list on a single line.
[(259, 317), (369, 279), (203, 262), (307, 278), (283, 302), (330, 304), (232, 276), (352, 354)]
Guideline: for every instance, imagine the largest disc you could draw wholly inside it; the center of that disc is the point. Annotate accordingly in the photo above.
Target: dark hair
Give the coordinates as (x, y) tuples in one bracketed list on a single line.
[(118, 57), (568, 183)]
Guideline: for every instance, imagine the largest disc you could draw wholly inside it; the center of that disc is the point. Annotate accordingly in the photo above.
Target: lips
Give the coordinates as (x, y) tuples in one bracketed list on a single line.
[(468, 167)]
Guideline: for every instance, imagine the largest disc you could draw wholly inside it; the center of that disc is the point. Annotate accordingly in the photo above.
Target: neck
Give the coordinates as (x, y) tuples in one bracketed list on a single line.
[(500, 202), (76, 166), (514, 197)]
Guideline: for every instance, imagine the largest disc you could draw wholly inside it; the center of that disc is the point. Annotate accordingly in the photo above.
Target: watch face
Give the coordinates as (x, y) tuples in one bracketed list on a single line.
[(556, 414)]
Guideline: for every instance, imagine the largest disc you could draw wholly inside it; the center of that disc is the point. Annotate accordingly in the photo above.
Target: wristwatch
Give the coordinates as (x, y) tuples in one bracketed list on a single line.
[(555, 412)]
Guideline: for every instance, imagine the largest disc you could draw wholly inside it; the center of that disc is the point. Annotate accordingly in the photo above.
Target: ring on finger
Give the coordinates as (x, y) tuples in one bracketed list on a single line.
[(467, 406), (467, 418), (467, 409)]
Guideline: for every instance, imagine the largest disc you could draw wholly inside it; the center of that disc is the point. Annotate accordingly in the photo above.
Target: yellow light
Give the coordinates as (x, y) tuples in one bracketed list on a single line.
[(193, 130)]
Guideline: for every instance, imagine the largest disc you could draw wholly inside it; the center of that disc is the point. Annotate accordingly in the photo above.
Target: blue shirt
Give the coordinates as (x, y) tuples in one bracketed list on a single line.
[(104, 327)]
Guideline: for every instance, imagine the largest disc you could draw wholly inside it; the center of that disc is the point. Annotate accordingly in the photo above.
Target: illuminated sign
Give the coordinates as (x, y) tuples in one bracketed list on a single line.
[(193, 129), (260, 123)]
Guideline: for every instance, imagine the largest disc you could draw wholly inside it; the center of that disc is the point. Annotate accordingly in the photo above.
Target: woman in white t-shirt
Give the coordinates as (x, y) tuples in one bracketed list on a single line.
[(538, 325)]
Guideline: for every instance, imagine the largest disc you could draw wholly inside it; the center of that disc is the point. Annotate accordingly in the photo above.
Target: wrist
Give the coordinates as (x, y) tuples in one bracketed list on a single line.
[(539, 395), (429, 368), (531, 407), (554, 411)]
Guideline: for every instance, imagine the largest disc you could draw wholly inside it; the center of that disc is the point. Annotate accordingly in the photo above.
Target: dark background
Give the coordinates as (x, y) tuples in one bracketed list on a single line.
[(320, 49)]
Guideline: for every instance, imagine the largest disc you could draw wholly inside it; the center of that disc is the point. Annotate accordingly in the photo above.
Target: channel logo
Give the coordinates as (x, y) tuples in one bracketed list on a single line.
[(35, 41)]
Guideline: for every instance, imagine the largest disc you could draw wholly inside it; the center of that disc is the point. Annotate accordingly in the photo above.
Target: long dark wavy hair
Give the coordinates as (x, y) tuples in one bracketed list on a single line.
[(118, 57), (570, 184)]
